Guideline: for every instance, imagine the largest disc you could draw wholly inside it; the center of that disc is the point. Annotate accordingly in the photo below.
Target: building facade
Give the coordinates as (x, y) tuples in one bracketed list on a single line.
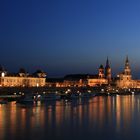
[(81, 80), (22, 79), (124, 79), (103, 78)]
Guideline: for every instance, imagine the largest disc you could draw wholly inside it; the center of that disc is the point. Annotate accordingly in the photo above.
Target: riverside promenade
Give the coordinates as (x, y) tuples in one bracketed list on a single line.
[(11, 90), (12, 93)]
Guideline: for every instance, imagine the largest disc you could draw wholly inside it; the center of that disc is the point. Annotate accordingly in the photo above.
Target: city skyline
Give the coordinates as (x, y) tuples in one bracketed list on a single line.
[(64, 37), (104, 66)]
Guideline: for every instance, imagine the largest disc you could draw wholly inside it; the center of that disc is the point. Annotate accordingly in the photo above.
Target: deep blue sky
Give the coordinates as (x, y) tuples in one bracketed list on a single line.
[(69, 36)]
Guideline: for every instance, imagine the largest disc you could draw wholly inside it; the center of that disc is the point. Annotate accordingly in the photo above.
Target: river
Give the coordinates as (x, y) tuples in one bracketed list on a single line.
[(97, 118)]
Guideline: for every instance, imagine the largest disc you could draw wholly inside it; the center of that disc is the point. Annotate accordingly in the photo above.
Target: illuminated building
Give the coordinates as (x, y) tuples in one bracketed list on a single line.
[(101, 72), (81, 80), (124, 79), (103, 77), (22, 79)]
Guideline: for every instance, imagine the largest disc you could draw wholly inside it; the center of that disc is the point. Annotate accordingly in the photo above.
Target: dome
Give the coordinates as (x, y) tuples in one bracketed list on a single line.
[(101, 67)]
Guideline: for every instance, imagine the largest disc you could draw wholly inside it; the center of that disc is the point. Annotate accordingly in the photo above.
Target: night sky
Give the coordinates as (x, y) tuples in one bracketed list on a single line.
[(69, 36)]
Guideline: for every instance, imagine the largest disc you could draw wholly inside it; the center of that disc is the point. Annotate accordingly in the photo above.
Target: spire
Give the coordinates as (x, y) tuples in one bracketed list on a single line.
[(127, 69), (107, 63), (127, 62), (108, 71)]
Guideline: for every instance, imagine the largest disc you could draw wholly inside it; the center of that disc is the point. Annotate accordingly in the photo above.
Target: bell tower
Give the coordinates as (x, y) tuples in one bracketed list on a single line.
[(127, 69), (101, 71), (108, 71)]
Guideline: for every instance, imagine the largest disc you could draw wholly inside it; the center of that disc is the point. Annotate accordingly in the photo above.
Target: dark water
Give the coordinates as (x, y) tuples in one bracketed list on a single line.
[(99, 118)]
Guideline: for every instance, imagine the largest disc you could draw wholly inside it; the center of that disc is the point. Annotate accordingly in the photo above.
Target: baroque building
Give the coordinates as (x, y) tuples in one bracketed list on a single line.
[(81, 80), (104, 76), (22, 79), (124, 79)]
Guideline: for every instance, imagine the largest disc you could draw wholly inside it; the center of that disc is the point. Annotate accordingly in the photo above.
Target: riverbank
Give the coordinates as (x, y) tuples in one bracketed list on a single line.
[(11, 90), (14, 93)]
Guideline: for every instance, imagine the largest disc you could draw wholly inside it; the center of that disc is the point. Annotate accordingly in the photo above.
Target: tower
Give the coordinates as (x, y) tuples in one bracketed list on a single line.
[(108, 71), (101, 71), (127, 69)]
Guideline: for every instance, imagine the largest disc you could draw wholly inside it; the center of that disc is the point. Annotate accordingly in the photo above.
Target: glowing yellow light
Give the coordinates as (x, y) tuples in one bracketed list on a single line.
[(2, 74)]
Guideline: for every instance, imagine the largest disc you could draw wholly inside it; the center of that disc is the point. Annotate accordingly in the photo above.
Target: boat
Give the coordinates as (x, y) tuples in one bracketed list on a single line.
[(27, 99), (50, 97), (87, 95), (3, 102)]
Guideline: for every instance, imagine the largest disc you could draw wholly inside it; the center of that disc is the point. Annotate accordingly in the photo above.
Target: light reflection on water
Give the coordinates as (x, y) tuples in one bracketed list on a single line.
[(110, 117)]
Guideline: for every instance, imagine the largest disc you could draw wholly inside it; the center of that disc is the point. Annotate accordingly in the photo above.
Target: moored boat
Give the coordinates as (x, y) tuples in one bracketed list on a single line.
[(87, 95), (50, 97), (3, 102), (27, 99)]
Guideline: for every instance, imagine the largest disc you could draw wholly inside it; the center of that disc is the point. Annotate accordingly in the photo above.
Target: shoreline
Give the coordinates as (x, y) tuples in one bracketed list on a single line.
[(14, 93)]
